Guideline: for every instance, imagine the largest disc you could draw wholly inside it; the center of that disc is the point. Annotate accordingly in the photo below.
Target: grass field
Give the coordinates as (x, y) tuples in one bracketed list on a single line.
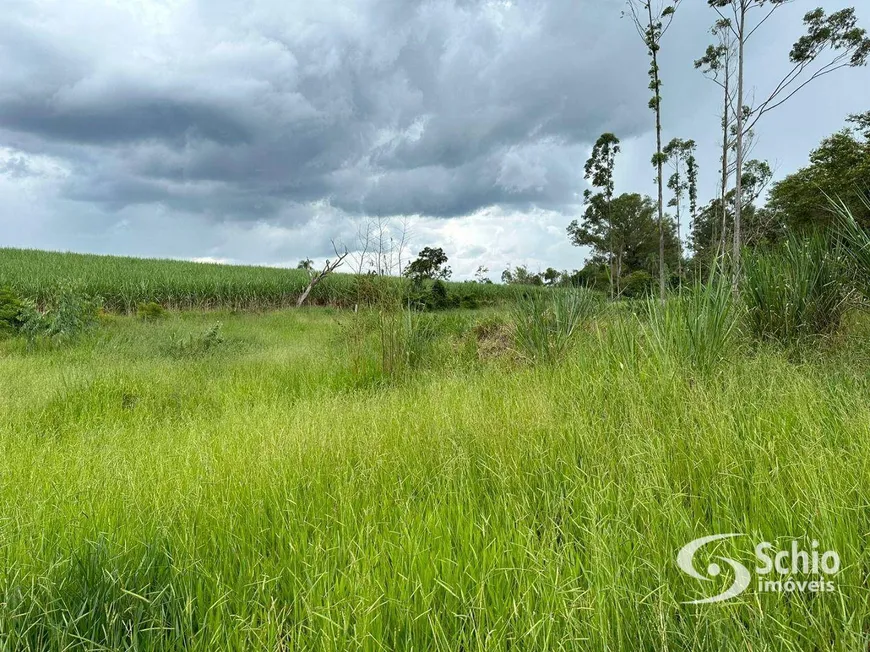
[(123, 283), (277, 491)]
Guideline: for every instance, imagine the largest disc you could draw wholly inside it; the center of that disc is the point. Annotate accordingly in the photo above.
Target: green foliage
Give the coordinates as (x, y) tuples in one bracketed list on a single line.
[(856, 243), (430, 265), (151, 310), (69, 316), (198, 344), (796, 292), (544, 324), (697, 329), (839, 168), (634, 234), (438, 295), (12, 310), (637, 285), (151, 505), (520, 276)]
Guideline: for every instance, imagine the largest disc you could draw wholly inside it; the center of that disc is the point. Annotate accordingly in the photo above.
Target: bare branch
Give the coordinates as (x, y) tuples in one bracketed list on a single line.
[(328, 269)]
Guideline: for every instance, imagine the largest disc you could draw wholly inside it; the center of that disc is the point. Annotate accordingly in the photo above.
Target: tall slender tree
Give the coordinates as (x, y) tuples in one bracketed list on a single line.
[(682, 182), (599, 173), (718, 64), (652, 19), (831, 42)]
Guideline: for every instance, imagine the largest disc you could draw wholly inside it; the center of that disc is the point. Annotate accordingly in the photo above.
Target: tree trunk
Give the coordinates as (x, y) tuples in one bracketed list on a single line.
[(679, 242), (612, 252), (738, 193), (660, 174), (328, 269), (721, 246), (659, 163)]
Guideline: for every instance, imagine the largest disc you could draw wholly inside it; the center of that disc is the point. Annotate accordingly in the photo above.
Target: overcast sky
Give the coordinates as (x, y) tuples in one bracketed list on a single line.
[(255, 131)]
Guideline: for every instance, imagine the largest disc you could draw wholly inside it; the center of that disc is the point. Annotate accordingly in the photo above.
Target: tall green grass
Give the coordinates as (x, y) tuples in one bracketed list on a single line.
[(262, 498), (697, 329), (544, 324), (797, 291)]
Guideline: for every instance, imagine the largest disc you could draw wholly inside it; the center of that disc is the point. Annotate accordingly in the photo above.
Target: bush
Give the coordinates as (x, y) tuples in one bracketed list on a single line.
[(636, 285), (150, 311), (545, 323), (436, 296), (12, 311), (71, 315), (796, 291)]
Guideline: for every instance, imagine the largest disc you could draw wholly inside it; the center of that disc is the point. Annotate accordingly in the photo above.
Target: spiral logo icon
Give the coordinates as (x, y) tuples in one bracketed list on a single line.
[(685, 560)]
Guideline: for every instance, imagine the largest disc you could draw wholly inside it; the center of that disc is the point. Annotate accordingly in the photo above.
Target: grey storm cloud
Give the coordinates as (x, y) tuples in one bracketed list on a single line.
[(238, 110), (260, 130)]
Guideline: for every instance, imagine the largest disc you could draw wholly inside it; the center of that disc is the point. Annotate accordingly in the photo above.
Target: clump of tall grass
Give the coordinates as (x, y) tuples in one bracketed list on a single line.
[(70, 315), (796, 291), (698, 328), (387, 337), (544, 324), (856, 244), (197, 344)]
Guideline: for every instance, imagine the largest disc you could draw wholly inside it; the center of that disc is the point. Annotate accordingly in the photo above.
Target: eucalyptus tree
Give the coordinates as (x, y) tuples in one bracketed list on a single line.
[(599, 173), (718, 65), (682, 182), (652, 19), (831, 42)]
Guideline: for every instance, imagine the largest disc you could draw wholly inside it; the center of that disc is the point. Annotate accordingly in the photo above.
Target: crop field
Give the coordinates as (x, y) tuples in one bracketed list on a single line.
[(124, 283), (288, 481)]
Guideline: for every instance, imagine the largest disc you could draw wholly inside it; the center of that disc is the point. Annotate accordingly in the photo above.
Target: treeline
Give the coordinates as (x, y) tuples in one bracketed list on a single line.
[(623, 233), (633, 236)]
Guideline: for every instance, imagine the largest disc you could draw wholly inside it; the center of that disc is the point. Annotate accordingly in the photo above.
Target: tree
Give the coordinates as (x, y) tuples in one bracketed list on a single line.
[(717, 64), (430, 265), (839, 168), (521, 276), (635, 237), (652, 18), (480, 276), (684, 181), (761, 226), (599, 173), (551, 276), (862, 122), (836, 33), (306, 264)]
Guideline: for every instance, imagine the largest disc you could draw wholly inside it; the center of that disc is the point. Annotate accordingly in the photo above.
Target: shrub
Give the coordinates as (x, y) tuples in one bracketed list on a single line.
[(437, 296), (12, 310), (637, 285), (796, 291), (545, 323), (150, 311), (438, 293), (71, 315), (468, 302)]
